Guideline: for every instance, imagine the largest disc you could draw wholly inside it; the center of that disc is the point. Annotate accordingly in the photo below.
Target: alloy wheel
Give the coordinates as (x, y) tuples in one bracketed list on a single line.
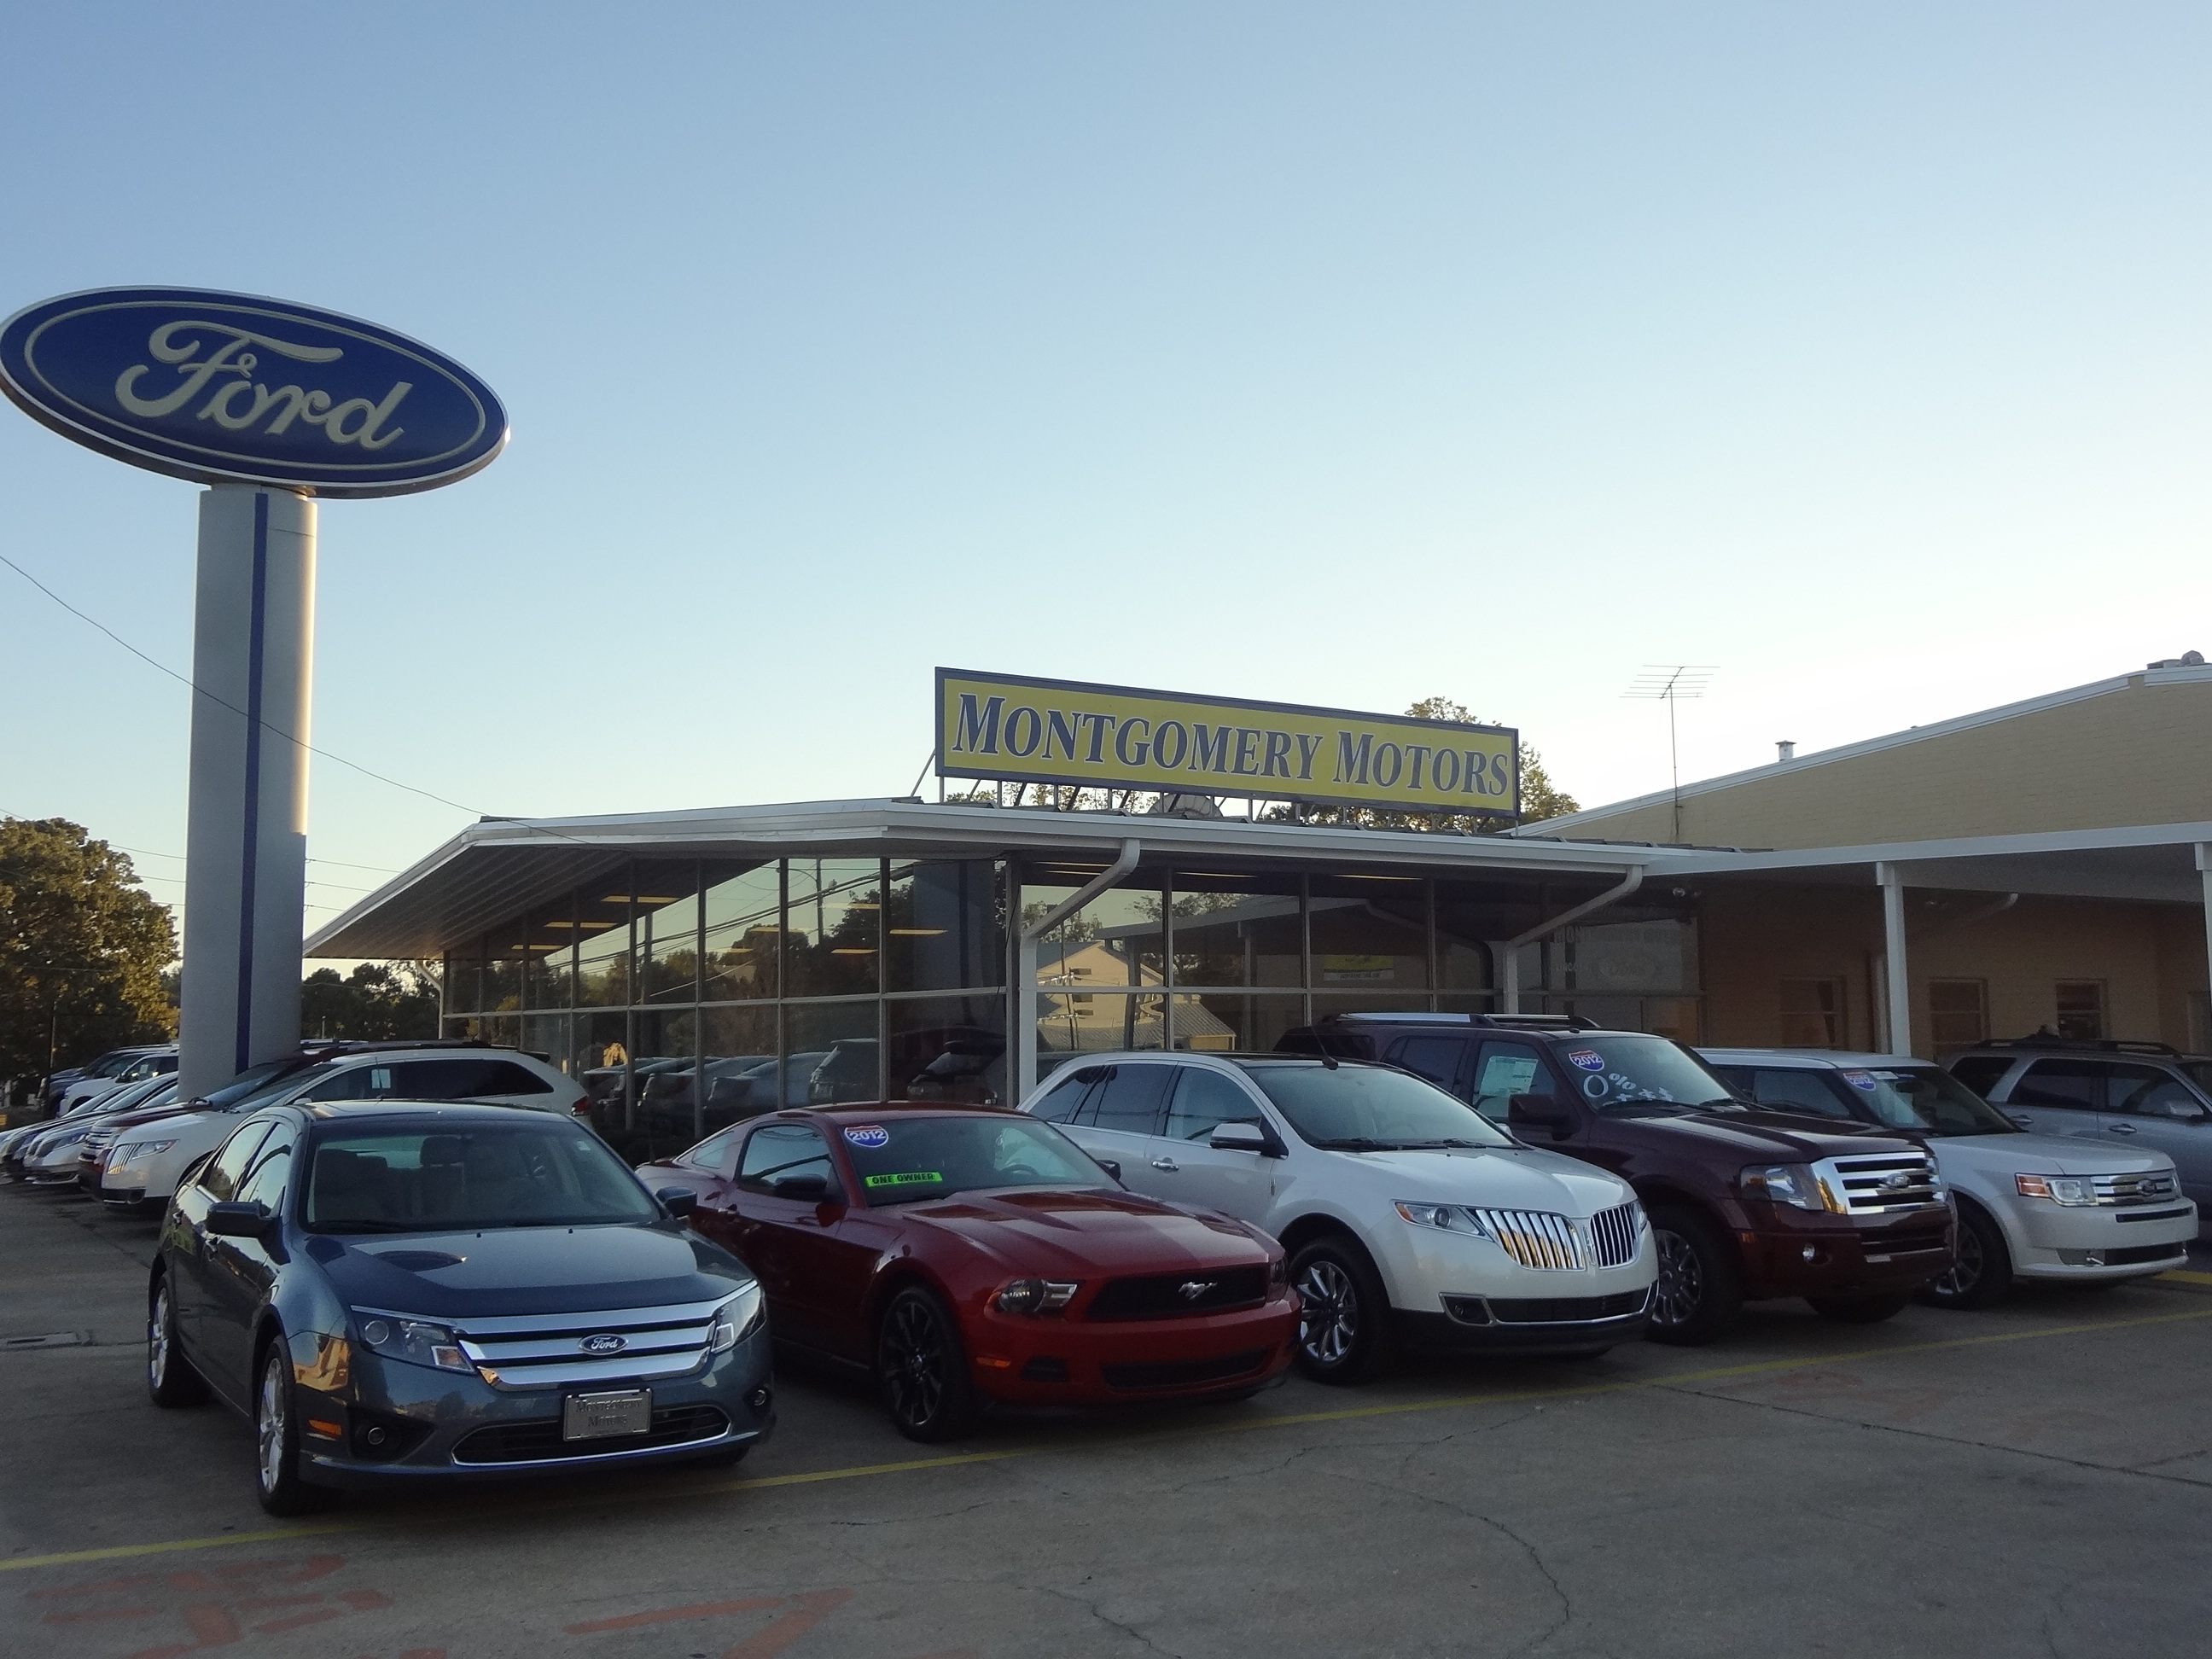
[(914, 1364), (1328, 1319), (1681, 1285), (157, 1340), (270, 1421), (1965, 1271)]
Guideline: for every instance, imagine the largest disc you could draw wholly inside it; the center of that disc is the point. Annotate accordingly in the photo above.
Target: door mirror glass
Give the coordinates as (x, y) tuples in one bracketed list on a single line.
[(1239, 1138), (677, 1201), (231, 1219), (1541, 1111), (810, 1187), (1110, 1165)]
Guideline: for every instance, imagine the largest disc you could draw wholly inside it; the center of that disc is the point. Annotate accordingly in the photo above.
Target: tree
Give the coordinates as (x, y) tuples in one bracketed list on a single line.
[(378, 1002), (1540, 798), (83, 949)]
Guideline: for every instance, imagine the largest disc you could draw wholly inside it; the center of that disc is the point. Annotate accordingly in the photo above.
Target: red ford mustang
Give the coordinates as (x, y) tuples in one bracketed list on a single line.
[(967, 1255)]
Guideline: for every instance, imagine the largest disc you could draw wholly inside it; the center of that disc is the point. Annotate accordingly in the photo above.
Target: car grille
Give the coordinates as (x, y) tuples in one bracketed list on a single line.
[(538, 1351), (1545, 1309), (1535, 1238), (1883, 1183), (1170, 1296), (539, 1441), (2121, 1191), (1185, 1373), (1614, 1232)]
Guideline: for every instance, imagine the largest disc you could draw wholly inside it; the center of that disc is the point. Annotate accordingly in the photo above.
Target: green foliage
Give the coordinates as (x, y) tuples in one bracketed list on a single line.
[(1540, 797), (83, 949), (378, 1002)]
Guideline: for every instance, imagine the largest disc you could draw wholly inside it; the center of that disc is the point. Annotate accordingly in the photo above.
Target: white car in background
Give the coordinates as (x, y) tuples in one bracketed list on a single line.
[(154, 1062), (2054, 1207), (145, 1162), (1411, 1220)]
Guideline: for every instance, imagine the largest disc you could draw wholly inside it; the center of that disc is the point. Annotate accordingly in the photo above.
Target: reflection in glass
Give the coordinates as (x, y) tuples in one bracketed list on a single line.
[(667, 929), (505, 951), (947, 1049), (603, 962), (546, 1036), (833, 926), (1370, 931), (1233, 929), (1218, 1021), (945, 926), (1094, 1021), (743, 906), (664, 1116), (1113, 940), (738, 1068), (844, 1035), (550, 955), (463, 980)]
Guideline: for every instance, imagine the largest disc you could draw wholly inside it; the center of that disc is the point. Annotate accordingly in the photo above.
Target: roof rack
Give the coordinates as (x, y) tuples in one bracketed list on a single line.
[(1502, 1022), (2083, 1045)]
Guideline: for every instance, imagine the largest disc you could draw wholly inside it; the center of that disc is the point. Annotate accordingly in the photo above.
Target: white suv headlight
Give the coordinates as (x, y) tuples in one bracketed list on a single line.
[(2069, 1190), (135, 1152), (1445, 1217)]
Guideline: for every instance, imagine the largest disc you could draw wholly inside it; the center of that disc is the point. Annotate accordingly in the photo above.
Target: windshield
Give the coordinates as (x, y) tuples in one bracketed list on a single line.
[(1928, 1102), (1625, 1076), (425, 1179), (903, 1161), (249, 1082), (1357, 1107)]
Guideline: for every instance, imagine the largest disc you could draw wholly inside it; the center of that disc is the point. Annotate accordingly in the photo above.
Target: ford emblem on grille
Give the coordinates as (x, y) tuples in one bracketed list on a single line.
[(1897, 1183), (1191, 1289), (607, 1343)]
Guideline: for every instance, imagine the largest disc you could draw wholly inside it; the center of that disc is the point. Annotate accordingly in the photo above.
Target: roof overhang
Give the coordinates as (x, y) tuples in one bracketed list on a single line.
[(497, 870)]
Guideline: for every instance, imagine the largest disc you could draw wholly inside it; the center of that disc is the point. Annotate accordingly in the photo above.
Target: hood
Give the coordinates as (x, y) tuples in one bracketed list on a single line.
[(528, 1270), (1087, 1235), (1774, 1137), (2046, 1154), (148, 1114), (1502, 1178)]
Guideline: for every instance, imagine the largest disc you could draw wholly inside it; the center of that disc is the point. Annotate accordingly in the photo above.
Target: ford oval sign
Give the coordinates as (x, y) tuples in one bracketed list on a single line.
[(226, 388)]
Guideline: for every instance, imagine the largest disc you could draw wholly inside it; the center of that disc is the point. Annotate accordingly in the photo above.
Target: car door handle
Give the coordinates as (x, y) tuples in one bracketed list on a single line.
[(1165, 1163), (2121, 1129)]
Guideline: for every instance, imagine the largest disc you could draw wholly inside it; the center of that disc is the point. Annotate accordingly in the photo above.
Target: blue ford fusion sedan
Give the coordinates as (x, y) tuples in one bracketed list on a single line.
[(394, 1292)]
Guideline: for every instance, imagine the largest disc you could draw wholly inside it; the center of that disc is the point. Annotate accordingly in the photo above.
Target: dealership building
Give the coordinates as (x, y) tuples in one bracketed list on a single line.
[(2041, 864)]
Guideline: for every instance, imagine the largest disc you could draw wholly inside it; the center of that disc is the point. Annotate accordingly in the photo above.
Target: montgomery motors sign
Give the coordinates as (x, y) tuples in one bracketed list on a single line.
[(228, 388), (1066, 731)]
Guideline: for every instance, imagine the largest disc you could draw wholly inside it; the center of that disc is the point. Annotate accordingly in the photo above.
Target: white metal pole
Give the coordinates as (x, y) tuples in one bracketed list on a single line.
[(1898, 985), (245, 849), (2204, 876)]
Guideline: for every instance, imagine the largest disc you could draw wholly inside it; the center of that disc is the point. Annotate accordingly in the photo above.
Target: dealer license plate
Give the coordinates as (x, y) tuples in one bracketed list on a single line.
[(602, 1416)]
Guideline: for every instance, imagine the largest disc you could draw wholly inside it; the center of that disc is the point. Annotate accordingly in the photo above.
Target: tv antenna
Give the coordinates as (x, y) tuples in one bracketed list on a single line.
[(1671, 682)]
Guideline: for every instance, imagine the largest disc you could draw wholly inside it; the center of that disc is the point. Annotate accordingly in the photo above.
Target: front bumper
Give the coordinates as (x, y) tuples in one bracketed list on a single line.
[(1526, 1325), (2092, 1243), (1821, 1256), (1015, 1360), (1457, 1293), (372, 1423)]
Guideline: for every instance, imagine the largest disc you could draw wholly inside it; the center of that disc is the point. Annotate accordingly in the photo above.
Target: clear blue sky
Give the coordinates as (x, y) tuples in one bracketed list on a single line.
[(1331, 354)]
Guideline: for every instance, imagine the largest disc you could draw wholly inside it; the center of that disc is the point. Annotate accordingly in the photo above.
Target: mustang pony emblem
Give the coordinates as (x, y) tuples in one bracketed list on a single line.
[(1191, 1289)]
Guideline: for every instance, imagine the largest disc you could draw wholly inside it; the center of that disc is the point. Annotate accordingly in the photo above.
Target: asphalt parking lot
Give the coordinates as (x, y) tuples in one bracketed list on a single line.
[(2038, 1479)]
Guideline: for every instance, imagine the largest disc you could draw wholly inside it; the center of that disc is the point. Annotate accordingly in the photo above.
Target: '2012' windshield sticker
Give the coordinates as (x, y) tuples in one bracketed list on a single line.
[(908, 1178), (868, 1135), (1860, 1080), (1588, 1059)]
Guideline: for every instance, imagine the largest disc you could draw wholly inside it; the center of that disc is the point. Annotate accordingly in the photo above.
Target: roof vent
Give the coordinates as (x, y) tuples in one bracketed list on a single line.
[(2186, 659), (1784, 751)]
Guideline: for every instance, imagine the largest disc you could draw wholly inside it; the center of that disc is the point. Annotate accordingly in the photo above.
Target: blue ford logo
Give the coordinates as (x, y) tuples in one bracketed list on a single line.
[(229, 388), (604, 1344)]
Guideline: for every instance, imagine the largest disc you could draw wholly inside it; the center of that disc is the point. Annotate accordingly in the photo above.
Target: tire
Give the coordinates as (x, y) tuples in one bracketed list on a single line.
[(1981, 1272), (170, 1379), (1859, 1310), (1344, 1317), (1699, 1292), (922, 1369), (277, 1480)]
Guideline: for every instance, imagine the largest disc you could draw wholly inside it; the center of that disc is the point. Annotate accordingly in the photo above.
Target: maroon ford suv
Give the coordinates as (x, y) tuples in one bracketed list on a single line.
[(1745, 1202)]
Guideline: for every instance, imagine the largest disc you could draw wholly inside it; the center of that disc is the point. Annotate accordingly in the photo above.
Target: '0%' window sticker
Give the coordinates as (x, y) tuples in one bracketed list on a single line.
[(908, 1178)]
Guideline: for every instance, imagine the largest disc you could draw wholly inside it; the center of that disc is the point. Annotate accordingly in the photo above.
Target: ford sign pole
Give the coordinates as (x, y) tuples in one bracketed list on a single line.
[(273, 405)]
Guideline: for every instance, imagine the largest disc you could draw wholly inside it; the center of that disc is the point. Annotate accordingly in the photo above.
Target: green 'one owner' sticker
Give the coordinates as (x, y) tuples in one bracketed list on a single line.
[(908, 1178)]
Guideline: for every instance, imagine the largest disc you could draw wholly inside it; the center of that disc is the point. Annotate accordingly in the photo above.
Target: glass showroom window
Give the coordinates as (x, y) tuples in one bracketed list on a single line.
[(1230, 929), (945, 926), (603, 962), (743, 931), (833, 926), (667, 930)]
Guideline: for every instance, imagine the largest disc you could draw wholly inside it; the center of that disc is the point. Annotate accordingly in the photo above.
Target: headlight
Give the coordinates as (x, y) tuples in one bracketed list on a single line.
[(136, 1150), (2059, 1190), (735, 1320), (1445, 1217), (1278, 1273), (1037, 1295), (414, 1340), (1794, 1184)]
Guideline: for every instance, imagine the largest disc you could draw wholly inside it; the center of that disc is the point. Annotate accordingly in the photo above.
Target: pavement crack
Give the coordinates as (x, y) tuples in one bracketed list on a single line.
[(1105, 1618)]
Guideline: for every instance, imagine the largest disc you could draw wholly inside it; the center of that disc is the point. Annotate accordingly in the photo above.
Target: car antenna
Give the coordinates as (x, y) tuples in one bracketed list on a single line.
[(1327, 1060)]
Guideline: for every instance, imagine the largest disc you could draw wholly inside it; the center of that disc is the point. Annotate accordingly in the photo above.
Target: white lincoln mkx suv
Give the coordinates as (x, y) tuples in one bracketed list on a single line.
[(1411, 1220)]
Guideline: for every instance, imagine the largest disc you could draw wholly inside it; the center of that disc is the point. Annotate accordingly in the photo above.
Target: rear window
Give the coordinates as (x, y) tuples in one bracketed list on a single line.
[(1980, 1073)]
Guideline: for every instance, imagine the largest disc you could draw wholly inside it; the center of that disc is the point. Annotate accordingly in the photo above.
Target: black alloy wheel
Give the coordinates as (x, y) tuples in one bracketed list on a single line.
[(1344, 1316), (1699, 1292), (1981, 1268), (922, 1369), (277, 1480), (170, 1378), (1859, 1310)]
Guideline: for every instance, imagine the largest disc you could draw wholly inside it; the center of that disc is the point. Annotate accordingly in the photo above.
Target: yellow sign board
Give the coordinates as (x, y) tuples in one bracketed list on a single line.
[(1117, 737)]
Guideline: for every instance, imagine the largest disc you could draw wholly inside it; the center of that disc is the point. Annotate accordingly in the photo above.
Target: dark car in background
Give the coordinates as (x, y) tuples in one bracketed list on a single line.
[(395, 1293)]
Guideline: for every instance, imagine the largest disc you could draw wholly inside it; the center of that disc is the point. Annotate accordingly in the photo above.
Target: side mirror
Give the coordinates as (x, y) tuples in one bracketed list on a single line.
[(1110, 1166), (807, 1188), (1545, 1111), (678, 1202), (231, 1219), (2188, 1111), (1239, 1138)]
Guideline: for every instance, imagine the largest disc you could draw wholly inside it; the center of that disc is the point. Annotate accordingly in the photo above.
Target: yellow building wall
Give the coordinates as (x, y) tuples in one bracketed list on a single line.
[(2130, 756)]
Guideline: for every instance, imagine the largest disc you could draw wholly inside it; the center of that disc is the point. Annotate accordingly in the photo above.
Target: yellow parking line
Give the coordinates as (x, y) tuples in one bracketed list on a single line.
[(2179, 1276), (1714, 1374)]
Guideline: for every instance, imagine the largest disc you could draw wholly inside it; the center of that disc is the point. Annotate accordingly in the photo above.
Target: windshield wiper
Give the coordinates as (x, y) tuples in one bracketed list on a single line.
[(1357, 1144), (365, 1226)]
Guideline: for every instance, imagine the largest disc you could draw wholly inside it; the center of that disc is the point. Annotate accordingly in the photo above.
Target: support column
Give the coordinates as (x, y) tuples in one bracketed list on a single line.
[(2204, 876), (1025, 1019), (246, 847), (1897, 984)]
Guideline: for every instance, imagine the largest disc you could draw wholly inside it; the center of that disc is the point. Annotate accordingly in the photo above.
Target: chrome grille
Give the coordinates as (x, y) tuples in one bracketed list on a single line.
[(1536, 1239), (537, 1351), (1882, 1184), (2149, 1187), (1614, 1232)]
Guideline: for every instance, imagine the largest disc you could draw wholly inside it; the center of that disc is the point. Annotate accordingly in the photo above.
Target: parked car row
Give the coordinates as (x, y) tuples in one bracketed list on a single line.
[(396, 1290)]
